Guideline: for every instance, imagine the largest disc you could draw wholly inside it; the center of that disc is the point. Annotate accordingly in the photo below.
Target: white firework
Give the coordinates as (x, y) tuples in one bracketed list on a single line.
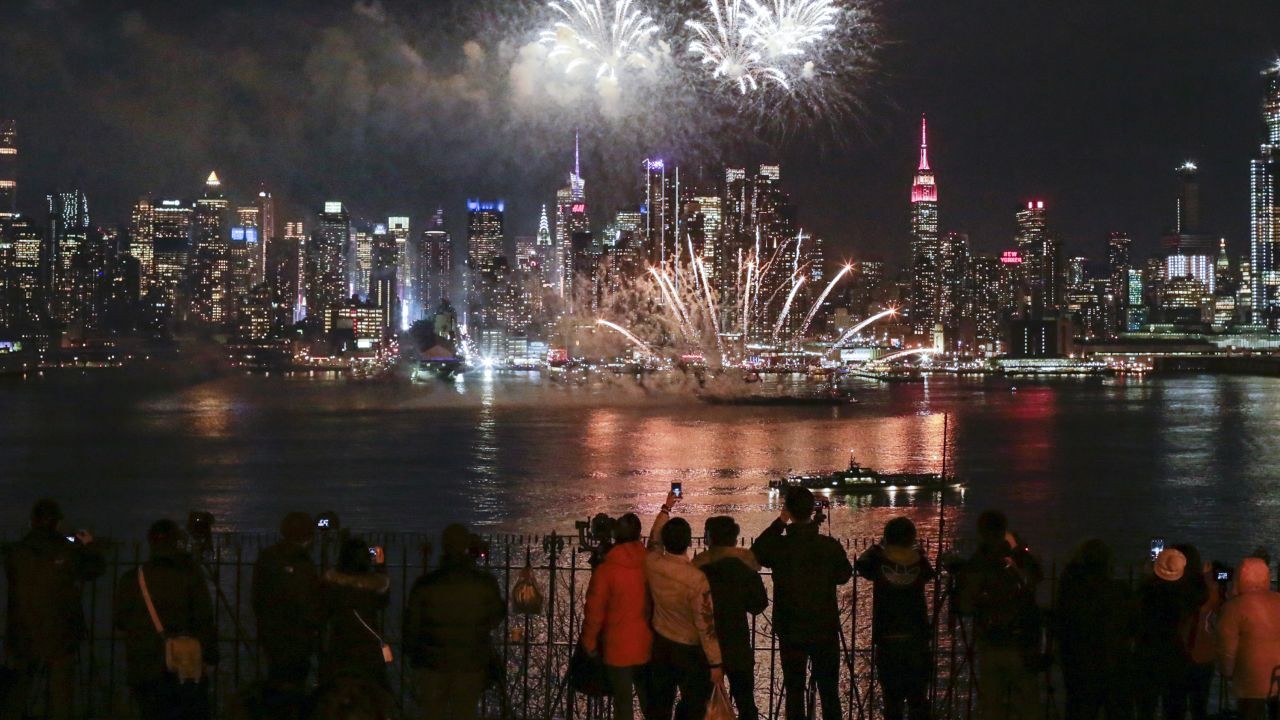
[(728, 46), (607, 36), (784, 30)]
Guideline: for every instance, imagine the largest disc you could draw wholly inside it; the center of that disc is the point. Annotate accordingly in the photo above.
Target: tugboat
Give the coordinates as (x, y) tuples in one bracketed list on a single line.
[(857, 479)]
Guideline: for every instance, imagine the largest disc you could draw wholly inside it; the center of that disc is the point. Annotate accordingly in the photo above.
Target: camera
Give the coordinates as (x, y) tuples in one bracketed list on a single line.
[(677, 489), (200, 527), (596, 536)]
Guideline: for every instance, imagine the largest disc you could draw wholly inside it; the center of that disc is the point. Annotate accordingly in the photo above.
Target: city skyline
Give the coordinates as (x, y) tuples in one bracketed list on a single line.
[(1114, 182)]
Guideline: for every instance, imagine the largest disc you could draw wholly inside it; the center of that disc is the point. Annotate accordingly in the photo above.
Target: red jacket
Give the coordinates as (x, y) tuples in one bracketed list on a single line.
[(617, 614)]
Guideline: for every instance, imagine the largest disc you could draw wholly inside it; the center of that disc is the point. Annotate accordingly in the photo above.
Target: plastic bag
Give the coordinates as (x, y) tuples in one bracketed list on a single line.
[(720, 708), (526, 596)]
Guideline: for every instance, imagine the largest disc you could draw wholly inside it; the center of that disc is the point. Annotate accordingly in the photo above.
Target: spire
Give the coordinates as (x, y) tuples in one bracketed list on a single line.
[(924, 144), (577, 166), (213, 180)]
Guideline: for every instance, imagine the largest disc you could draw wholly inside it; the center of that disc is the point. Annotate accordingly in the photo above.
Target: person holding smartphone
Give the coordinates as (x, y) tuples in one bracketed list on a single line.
[(354, 595), (46, 573)]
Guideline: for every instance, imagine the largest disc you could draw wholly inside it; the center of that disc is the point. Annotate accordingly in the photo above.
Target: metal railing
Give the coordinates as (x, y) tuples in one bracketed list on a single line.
[(534, 649)]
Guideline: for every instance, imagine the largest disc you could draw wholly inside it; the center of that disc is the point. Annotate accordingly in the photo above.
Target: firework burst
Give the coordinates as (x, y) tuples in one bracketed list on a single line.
[(728, 47), (785, 30), (608, 37)]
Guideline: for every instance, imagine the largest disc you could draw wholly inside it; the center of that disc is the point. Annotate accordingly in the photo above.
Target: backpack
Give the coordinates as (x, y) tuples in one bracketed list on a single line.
[(1005, 610)]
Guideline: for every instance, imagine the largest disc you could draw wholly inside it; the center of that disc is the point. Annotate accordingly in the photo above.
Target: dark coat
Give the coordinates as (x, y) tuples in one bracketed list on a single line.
[(452, 610), (997, 586), (807, 568), (898, 579), (349, 649), (46, 576), (1093, 621), (286, 597), (736, 590), (1164, 608), (181, 597)]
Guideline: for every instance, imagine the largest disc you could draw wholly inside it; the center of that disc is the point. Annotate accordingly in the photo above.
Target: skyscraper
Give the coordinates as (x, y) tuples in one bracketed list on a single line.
[(926, 280), (142, 237), (1264, 211), (433, 267), (659, 213), (398, 227), (211, 297), (1041, 252), (171, 235), (484, 258), (1188, 252), (571, 218), (1119, 246), (267, 232), (67, 232), (325, 272), (8, 169), (546, 252)]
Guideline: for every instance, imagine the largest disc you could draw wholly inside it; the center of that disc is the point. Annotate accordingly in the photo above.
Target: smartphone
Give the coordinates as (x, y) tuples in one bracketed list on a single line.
[(322, 523), (376, 555), (1224, 576), (677, 489), (1157, 547), (71, 538)]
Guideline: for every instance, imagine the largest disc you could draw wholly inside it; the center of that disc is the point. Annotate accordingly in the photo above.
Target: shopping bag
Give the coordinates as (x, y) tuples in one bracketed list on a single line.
[(586, 673), (720, 708)]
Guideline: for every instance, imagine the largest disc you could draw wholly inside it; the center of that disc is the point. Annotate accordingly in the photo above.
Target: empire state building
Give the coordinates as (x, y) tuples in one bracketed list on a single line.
[(926, 260)]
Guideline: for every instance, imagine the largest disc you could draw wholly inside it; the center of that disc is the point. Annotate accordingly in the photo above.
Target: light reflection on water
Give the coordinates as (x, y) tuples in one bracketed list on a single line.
[(1180, 457)]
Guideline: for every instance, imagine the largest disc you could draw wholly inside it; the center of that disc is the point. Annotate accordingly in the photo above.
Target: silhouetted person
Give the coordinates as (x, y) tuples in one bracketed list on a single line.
[(353, 594), (184, 607), (1167, 602), (451, 614), (686, 651), (46, 574), (998, 588), (1094, 626), (807, 569), (1249, 639), (617, 617), (1196, 633), (351, 699), (900, 631), (286, 602), (738, 593)]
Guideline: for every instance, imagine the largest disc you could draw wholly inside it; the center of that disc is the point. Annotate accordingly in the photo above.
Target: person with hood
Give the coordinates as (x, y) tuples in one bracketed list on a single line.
[(353, 596), (997, 588), (1166, 604), (46, 573), (737, 592), (807, 568), (183, 606), (686, 646), (899, 574), (617, 617), (451, 614), (286, 603), (1094, 629), (1248, 639)]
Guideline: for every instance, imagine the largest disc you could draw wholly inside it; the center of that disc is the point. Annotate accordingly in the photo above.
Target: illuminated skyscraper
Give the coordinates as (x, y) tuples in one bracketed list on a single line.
[(571, 218), (1041, 252), (1119, 247), (211, 296), (325, 272), (8, 169), (1264, 211), (142, 237), (284, 262), (383, 268), (171, 235), (432, 267), (398, 227), (1189, 252), (484, 259), (67, 232), (547, 252), (926, 265), (659, 213)]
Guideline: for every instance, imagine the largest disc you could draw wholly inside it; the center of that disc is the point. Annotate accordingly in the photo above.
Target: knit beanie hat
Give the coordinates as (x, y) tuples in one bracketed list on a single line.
[(1170, 565)]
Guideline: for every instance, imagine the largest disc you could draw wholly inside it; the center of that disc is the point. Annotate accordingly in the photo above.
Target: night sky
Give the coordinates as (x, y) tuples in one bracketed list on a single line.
[(1086, 104)]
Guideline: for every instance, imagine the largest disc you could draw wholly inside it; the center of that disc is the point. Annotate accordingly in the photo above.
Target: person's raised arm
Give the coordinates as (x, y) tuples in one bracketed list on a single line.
[(655, 533), (768, 546)]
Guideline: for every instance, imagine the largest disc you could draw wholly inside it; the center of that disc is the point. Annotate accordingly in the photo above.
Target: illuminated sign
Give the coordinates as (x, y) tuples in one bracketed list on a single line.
[(1011, 257), (171, 203), (1035, 204), (245, 235), (379, 229), (8, 151), (578, 208), (10, 346), (654, 164), (486, 206), (333, 207)]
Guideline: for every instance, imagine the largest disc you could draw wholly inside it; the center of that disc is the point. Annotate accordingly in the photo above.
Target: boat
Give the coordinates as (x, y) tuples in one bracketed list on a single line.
[(857, 479), (438, 361)]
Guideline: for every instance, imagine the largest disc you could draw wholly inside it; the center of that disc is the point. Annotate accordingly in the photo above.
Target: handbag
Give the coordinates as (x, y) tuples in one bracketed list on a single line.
[(720, 708), (586, 673), (387, 656), (183, 654)]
